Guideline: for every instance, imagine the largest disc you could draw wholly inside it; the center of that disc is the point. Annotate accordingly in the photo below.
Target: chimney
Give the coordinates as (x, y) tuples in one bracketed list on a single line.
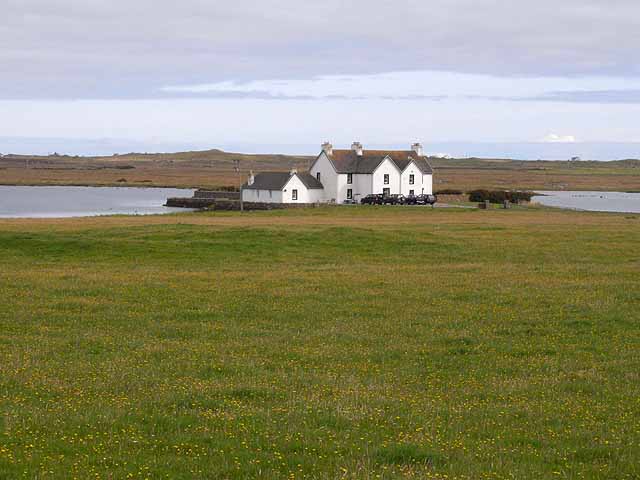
[(357, 147), (293, 171), (251, 179), (327, 148), (417, 147)]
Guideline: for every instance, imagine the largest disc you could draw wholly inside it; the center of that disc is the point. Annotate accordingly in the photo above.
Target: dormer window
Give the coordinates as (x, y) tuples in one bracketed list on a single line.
[(349, 178)]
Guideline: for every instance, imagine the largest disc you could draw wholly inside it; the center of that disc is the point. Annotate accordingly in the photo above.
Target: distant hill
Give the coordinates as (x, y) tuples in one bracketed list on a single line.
[(215, 168)]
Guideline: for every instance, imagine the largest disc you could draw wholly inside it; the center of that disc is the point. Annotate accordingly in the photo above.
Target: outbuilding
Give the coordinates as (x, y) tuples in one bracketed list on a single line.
[(282, 187)]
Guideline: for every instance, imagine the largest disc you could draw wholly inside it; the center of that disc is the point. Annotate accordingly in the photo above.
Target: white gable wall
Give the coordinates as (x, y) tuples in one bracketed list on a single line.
[(422, 182), (386, 167), (295, 183), (328, 177)]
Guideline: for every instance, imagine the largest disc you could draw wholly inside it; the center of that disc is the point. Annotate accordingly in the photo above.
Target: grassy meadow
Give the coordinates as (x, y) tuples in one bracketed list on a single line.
[(324, 343)]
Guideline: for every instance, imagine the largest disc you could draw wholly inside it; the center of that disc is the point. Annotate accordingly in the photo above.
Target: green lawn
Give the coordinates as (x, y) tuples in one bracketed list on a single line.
[(351, 343)]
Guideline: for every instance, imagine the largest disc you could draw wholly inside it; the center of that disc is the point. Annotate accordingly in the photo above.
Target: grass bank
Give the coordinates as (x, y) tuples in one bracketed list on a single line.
[(327, 343)]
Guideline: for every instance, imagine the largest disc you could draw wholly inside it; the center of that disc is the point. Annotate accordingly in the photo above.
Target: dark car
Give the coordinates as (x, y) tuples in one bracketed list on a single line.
[(393, 199), (372, 199), (411, 200), (426, 199)]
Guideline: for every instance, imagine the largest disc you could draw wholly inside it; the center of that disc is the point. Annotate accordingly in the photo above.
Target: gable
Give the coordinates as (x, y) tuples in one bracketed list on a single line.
[(387, 161), (323, 158), (411, 164)]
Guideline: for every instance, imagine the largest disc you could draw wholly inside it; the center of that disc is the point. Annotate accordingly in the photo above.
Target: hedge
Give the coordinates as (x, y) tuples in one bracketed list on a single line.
[(449, 192), (499, 196)]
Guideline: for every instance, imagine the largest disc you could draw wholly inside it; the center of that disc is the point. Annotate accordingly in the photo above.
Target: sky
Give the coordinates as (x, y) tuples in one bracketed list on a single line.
[(515, 78)]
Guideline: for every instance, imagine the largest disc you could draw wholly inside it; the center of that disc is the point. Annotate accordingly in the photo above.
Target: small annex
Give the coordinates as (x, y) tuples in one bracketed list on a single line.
[(282, 187)]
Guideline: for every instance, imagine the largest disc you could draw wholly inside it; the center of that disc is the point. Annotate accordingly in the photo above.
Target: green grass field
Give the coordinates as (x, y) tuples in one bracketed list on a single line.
[(327, 343)]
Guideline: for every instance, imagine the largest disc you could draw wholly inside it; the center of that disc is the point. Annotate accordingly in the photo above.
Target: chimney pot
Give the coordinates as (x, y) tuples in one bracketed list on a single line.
[(327, 148), (357, 147)]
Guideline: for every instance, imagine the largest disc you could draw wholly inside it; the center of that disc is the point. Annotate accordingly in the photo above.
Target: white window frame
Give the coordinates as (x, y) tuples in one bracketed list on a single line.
[(349, 194), (412, 179), (349, 178), (386, 178), (294, 194)]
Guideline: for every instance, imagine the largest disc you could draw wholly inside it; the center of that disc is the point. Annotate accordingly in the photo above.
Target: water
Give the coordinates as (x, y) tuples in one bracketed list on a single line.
[(62, 202), (591, 201)]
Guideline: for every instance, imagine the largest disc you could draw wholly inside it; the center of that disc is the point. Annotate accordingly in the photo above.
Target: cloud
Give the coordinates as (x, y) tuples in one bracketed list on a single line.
[(554, 138), (421, 86), (630, 96), (123, 49)]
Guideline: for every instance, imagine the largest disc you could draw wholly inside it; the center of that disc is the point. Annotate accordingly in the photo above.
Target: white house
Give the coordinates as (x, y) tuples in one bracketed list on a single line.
[(282, 187), (339, 175)]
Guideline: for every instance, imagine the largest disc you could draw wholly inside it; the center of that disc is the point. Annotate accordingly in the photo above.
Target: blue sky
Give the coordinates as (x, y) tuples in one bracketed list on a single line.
[(466, 77)]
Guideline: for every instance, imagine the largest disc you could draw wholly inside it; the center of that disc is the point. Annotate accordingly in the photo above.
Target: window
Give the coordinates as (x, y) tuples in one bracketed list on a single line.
[(349, 194), (318, 176), (294, 194), (412, 192), (386, 192), (349, 178), (386, 179), (412, 179)]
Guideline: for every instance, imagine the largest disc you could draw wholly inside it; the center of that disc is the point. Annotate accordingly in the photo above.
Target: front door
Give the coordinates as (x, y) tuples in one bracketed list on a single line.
[(386, 192)]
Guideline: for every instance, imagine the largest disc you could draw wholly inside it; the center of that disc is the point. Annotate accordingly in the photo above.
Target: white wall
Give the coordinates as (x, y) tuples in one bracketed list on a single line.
[(328, 177), (295, 183), (427, 180), (386, 167), (264, 196), (341, 187), (361, 186), (422, 183)]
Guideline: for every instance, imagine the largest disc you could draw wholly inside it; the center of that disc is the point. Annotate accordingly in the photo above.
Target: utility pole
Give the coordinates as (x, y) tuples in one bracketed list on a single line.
[(237, 168)]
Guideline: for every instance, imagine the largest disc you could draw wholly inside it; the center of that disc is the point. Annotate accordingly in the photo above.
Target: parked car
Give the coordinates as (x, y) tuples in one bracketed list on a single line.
[(393, 199), (426, 199), (372, 199), (411, 200)]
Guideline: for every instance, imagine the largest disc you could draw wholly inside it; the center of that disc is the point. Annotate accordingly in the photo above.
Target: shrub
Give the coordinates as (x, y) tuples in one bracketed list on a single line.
[(449, 191), (499, 196)]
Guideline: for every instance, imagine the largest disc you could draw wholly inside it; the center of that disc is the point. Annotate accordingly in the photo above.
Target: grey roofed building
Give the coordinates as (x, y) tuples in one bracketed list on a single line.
[(277, 180), (348, 161)]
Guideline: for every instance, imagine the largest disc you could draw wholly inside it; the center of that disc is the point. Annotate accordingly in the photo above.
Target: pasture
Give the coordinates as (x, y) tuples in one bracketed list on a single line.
[(324, 343)]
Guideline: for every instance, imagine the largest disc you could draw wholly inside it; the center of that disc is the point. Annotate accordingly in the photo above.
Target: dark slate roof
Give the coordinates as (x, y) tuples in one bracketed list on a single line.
[(269, 181), (277, 181), (309, 181), (346, 161)]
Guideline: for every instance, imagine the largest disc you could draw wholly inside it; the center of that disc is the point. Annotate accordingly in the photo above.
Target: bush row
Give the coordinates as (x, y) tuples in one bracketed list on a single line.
[(499, 196), (448, 191)]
